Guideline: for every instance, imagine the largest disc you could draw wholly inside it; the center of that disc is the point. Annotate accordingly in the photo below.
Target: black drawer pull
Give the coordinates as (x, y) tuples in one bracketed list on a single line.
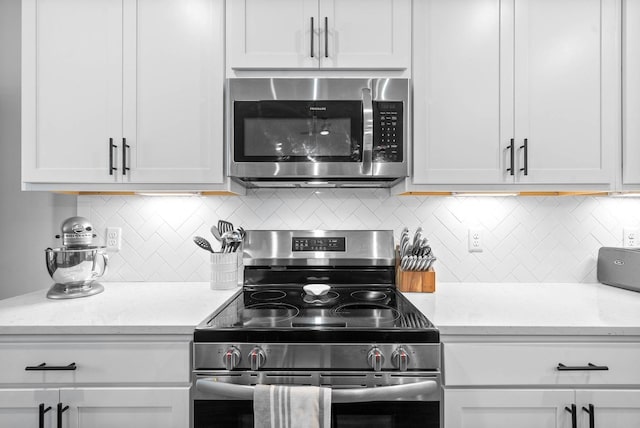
[(44, 366), (592, 415), (589, 367), (41, 412), (511, 157), (61, 410), (574, 415)]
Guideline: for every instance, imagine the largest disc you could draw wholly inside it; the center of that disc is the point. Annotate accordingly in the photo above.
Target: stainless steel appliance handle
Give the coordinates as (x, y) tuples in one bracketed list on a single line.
[(355, 395), (367, 131)]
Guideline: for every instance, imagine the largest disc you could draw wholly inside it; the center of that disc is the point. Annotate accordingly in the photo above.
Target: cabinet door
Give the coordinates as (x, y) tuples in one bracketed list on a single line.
[(272, 34), (566, 90), (631, 93), (131, 407), (365, 34), (173, 91), (495, 408), (463, 122), (611, 408), (21, 407), (71, 89)]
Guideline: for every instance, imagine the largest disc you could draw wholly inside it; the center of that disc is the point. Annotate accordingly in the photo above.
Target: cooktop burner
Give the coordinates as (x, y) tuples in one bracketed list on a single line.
[(343, 314)]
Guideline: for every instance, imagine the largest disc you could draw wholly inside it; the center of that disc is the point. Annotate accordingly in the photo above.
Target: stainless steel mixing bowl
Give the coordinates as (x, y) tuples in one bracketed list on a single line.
[(77, 266)]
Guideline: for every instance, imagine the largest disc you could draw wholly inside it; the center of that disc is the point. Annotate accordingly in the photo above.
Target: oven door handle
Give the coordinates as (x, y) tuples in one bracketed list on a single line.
[(406, 391), (367, 132)]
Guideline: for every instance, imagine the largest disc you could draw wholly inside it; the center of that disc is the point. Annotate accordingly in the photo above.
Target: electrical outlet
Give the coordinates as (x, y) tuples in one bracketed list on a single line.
[(631, 238), (475, 241), (114, 238)]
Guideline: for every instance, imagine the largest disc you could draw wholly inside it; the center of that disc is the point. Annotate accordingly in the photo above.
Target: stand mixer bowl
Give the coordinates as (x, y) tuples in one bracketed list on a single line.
[(75, 270)]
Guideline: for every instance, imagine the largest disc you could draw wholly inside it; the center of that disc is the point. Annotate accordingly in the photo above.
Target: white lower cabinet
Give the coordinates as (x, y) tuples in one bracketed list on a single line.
[(125, 407), (24, 407), (541, 385), (66, 383), (541, 408), (500, 408), (94, 407), (611, 408)]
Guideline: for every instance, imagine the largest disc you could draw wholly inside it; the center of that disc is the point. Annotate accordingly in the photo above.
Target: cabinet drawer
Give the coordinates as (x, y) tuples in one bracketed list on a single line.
[(95, 362), (537, 364)]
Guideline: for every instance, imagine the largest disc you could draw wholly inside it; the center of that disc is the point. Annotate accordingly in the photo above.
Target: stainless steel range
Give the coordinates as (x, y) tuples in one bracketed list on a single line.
[(320, 308)]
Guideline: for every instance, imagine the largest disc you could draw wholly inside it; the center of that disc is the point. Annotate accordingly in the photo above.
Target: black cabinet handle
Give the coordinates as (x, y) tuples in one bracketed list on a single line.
[(125, 146), (312, 53), (589, 367), (511, 157), (592, 415), (44, 366), (61, 410), (41, 412), (326, 37), (111, 147), (525, 146), (574, 415)]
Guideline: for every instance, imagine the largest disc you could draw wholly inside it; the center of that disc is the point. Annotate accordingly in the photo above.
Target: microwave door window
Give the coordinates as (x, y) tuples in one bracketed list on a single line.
[(300, 139)]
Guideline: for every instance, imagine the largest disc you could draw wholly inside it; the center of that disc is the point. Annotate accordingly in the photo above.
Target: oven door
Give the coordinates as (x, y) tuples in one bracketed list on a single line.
[(415, 403)]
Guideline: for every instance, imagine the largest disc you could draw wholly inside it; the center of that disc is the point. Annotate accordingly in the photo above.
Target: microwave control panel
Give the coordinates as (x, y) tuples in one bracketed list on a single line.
[(387, 131)]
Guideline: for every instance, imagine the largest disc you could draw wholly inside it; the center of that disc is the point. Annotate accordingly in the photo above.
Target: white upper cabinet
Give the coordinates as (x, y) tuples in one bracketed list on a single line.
[(516, 91), (308, 34), (122, 91), (457, 99), (566, 84), (71, 89), (173, 91), (631, 93)]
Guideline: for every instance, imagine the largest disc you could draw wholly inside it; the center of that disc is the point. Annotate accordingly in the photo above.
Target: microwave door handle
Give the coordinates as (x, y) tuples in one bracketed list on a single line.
[(408, 391), (367, 132)]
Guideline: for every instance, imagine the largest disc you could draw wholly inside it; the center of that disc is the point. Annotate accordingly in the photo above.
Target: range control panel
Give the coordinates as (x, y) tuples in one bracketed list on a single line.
[(387, 131), (318, 244)]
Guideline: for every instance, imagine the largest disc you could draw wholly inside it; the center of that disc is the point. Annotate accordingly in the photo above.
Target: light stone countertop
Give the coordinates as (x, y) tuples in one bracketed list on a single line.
[(531, 309), (455, 308), (123, 308)]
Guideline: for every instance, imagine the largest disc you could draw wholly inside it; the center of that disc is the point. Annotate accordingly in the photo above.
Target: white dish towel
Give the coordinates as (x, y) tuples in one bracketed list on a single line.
[(277, 406)]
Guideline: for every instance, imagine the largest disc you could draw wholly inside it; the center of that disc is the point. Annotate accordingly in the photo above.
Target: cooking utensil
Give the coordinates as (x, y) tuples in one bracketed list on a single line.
[(224, 226), (203, 243), (216, 233)]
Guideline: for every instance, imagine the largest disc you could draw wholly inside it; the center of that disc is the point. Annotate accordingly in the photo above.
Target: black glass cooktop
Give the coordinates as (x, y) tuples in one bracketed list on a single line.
[(343, 314)]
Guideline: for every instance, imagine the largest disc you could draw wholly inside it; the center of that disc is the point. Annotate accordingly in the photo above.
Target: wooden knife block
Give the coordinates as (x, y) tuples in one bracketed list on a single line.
[(415, 281)]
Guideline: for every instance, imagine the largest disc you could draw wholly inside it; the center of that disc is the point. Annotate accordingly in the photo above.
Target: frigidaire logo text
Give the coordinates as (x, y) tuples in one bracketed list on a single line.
[(317, 108)]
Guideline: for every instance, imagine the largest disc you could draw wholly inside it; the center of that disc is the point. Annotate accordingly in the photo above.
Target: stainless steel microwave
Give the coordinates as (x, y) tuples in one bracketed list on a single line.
[(318, 132)]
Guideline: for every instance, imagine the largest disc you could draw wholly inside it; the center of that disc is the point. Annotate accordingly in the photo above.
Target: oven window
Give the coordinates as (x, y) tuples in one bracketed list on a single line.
[(298, 131), (405, 414)]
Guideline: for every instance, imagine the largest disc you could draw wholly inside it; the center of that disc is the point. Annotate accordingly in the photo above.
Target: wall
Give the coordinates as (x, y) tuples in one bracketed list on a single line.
[(526, 239), (28, 220)]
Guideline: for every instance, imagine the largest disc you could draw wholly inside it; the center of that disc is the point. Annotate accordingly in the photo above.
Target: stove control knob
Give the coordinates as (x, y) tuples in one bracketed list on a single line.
[(257, 358), (231, 358), (375, 359), (400, 359)]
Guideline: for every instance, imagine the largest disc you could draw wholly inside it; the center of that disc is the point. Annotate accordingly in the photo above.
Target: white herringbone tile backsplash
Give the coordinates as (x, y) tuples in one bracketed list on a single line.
[(525, 239)]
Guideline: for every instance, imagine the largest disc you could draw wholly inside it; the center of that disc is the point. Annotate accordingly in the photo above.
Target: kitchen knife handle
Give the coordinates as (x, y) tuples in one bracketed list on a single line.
[(525, 146), (592, 415), (61, 410), (511, 157), (312, 31), (125, 146), (111, 147), (574, 415), (41, 412), (44, 366), (589, 367), (326, 37)]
